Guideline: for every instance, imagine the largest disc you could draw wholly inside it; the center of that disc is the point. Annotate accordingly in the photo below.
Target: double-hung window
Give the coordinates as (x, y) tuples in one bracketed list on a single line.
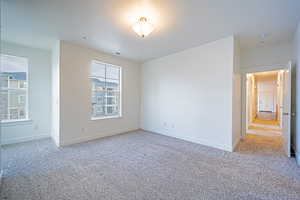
[(106, 90), (13, 88)]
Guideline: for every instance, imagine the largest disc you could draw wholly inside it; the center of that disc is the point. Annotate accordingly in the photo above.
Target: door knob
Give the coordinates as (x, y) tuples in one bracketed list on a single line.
[(285, 113)]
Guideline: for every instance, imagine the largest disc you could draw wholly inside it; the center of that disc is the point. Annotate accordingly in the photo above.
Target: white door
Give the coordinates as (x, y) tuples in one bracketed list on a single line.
[(286, 112), (266, 95), (266, 101)]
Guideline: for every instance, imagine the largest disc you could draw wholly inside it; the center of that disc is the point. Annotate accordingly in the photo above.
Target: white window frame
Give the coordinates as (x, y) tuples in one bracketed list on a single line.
[(12, 89), (120, 92)]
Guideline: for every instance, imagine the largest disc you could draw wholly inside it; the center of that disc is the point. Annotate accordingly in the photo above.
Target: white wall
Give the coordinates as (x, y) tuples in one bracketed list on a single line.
[(75, 96), (189, 95), (236, 96), (297, 88), (55, 92), (39, 95), (273, 55)]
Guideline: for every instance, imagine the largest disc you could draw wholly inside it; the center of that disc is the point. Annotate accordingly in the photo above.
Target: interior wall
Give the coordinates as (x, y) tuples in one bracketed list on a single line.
[(236, 96), (185, 94), (271, 55), (75, 95), (296, 136), (39, 95), (249, 104), (254, 98), (280, 96)]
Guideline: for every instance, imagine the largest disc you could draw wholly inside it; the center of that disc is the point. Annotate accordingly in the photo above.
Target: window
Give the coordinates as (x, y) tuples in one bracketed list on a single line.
[(22, 99), (13, 88), (106, 91)]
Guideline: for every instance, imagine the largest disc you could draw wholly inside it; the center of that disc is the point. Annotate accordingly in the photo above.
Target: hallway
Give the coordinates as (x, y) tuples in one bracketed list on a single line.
[(265, 103)]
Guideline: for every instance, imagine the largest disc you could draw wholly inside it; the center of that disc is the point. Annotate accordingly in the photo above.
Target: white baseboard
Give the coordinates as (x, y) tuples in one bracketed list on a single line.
[(235, 144), (94, 137), (55, 139), (195, 140), (24, 139)]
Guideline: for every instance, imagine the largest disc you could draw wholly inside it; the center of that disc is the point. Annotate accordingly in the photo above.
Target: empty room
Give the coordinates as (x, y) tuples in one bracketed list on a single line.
[(150, 99)]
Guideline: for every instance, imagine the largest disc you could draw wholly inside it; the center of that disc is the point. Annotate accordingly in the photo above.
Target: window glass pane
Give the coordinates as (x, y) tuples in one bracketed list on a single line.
[(3, 80), (13, 80), (98, 83), (22, 113), (105, 85), (98, 69), (3, 105), (13, 69), (17, 103), (13, 113), (112, 72)]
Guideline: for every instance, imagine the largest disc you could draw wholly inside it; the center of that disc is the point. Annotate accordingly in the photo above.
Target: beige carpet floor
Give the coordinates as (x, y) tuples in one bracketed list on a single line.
[(145, 166)]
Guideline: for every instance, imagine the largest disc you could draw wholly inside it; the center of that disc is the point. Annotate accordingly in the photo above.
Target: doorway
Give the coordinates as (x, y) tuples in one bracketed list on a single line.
[(266, 100)]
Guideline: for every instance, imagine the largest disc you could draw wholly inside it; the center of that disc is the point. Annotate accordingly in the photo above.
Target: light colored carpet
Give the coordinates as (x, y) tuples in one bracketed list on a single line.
[(145, 166)]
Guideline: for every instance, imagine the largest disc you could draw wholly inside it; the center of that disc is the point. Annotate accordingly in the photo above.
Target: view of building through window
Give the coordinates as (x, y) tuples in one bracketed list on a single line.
[(14, 90), (105, 81)]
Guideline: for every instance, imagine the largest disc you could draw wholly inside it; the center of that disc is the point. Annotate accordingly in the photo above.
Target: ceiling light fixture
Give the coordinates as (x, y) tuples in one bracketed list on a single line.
[(143, 27)]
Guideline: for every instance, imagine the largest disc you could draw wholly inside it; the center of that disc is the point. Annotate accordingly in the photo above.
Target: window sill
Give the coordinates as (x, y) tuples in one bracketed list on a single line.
[(108, 117), (15, 122)]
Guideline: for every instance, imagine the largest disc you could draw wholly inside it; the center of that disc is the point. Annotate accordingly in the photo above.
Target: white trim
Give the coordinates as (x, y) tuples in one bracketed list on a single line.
[(194, 140), (25, 139), (5, 123), (106, 117), (101, 134), (55, 139), (120, 103), (235, 144)]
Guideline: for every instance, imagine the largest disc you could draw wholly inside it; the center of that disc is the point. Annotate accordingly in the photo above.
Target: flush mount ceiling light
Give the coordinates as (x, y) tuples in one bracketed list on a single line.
[(143, 27)]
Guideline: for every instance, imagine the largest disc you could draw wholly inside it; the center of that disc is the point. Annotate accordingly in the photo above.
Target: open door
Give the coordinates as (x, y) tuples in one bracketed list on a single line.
[(286, 110)]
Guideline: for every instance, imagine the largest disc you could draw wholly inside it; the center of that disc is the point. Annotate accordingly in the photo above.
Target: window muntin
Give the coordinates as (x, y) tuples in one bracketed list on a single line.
[(13, 88), (106, 83)]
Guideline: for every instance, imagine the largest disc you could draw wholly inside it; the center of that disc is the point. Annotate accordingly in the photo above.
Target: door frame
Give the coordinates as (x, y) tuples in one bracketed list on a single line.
[(244, 72)]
